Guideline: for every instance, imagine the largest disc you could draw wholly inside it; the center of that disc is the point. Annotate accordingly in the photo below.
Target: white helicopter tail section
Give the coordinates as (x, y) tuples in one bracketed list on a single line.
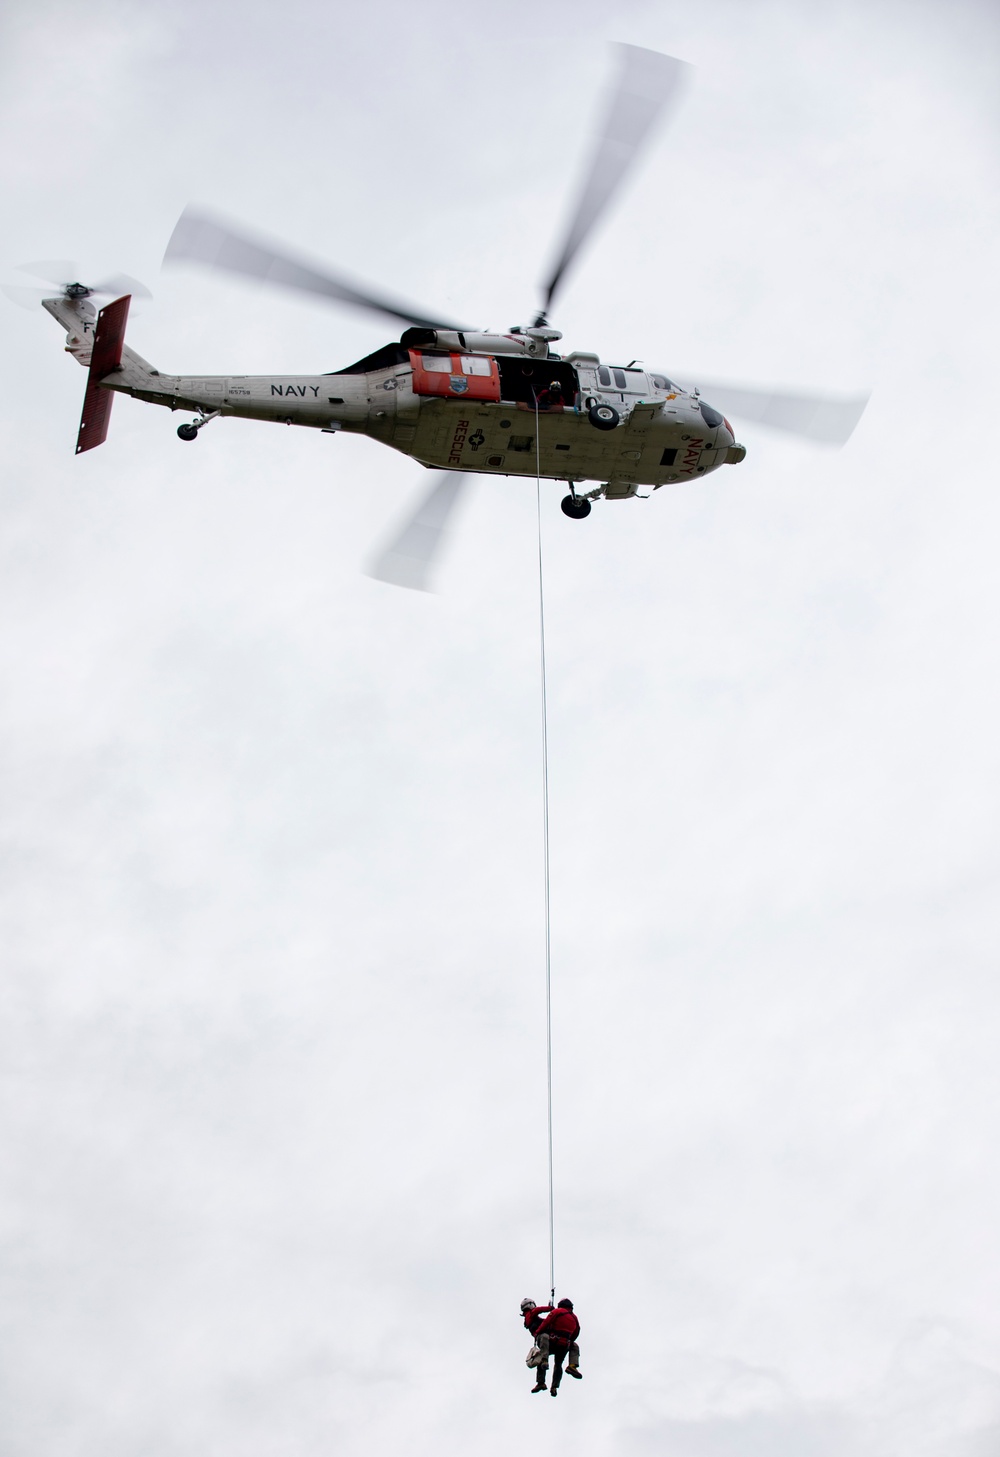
[(97, 341)]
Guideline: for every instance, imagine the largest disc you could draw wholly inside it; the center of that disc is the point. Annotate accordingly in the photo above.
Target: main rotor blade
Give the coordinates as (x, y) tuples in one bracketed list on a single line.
[(828, 419), (409, 558), (203, 239), (648, 85)]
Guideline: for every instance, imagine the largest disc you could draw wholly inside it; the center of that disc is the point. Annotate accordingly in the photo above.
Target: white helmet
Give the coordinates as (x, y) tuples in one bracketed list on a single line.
[(528, 1304)]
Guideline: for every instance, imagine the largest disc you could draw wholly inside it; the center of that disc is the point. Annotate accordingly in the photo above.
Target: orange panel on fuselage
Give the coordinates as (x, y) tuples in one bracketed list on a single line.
[(455, 376)]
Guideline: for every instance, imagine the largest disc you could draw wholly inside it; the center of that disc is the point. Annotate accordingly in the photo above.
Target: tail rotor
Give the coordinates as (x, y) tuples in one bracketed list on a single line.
[(65, 275)]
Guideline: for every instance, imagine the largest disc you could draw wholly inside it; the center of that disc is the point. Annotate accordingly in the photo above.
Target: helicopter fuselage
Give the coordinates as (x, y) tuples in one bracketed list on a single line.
[(503, 412)]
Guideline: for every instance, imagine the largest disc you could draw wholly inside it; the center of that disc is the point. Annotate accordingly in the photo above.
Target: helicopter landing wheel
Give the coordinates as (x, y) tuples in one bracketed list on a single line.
[(575, 507), (603, 417), (188, 432)]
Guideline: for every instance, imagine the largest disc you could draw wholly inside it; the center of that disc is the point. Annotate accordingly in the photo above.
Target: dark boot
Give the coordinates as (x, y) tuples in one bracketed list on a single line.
[(557, 1371)]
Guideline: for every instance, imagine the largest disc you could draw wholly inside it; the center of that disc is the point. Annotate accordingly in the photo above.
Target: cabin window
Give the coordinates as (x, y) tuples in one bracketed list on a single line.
[(437, 363), (620, 379), (473, 365), (604, 375)]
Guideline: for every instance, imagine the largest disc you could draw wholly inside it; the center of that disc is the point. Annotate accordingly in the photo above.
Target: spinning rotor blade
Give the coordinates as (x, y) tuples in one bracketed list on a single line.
[(825, 418), (409, 558), (202, 239), (31, 298), (25, 298), (58, 271), (649, 84), (119, 284)]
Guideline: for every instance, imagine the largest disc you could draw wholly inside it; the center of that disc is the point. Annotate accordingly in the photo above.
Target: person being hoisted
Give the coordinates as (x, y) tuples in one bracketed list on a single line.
[(555, 1331), (533, 1318)]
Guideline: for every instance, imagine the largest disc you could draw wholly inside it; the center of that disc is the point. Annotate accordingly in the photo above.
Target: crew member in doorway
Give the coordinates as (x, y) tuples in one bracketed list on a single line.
[(551, 398), (556, 1336)]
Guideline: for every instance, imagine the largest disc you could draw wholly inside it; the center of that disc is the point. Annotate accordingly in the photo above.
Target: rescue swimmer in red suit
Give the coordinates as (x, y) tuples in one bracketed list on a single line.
[(555, 1330), (551, 398)]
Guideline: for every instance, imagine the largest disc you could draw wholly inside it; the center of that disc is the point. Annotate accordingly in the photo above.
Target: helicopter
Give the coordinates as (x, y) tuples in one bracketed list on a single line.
[(462, 401)]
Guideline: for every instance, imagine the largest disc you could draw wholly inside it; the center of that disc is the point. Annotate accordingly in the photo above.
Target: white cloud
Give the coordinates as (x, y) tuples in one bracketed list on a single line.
[(271, 900)]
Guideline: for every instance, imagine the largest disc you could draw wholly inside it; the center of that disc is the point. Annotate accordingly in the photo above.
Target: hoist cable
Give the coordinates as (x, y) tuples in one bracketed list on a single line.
[(545, 861)]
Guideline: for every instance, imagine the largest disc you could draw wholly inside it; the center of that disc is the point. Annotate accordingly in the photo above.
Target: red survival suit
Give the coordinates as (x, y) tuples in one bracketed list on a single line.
[(556, 1335), (560, 1323)]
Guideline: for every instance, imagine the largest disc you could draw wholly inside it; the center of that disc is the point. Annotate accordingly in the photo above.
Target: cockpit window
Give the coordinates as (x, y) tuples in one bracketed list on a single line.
[(437, 363), (711, 417), (629, 379), (662, 383)]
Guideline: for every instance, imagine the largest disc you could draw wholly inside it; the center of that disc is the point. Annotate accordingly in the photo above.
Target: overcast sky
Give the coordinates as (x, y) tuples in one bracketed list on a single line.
[(273, 1023)]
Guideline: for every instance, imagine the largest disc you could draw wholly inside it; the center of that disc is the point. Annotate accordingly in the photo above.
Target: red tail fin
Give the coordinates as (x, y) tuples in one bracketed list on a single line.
[(109, 337)]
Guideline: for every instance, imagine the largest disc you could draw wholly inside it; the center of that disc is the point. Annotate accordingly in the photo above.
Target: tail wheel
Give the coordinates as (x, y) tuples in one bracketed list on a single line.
[(603, 417), (575, 507)]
